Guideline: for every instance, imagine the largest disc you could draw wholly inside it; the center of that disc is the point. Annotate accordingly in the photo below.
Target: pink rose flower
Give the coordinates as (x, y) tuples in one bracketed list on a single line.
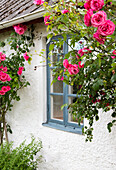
[(5, 88), (2, 93), (80, 65), (19, 72), (80, 52), (65, 11), (59, 78), (26, 57), (16, 27), (4, 69), (87, 17), (8, 88), (4, 77), (96, 5), (113, 57), (8, 78), (21, 68), (20, 29), (99, 38), (62, 78), (47, 19), (2, 56), (38, 2), (73, 69), (114, 52), (98, 18), (23, 26), (107, 28), (87, 4), (65, 63)]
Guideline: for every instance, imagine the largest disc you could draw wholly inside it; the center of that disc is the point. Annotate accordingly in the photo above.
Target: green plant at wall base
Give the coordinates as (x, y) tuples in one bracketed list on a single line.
[(23, 157), (92, 70), (12, 66)]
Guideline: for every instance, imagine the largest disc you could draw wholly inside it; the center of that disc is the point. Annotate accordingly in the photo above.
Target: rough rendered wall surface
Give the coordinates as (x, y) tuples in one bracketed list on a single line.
[(61, 150)]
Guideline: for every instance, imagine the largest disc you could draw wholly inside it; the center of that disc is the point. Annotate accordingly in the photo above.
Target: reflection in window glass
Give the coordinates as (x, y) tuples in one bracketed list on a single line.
[(54, 58), (78, 45), (55, 53), (56, 87), (56, 103)]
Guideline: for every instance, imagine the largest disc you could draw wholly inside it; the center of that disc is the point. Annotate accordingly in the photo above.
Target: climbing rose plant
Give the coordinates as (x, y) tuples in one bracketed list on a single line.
[(92, 69), (12, 67)]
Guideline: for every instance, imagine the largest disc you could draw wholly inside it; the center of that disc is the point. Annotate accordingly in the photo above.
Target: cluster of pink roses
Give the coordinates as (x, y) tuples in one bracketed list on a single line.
[(72, 69), (99, 20), (2, 57), (38, 2), (3, 75), (4, 89), (95, 5), (20, 28), (19, 72)]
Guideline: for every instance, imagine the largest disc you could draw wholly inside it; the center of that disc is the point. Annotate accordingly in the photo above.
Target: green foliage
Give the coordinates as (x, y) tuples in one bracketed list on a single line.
[(98, 77), (23, 157)]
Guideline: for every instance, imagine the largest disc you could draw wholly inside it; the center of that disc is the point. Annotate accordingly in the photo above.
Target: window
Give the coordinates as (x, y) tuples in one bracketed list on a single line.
[(59, 94)]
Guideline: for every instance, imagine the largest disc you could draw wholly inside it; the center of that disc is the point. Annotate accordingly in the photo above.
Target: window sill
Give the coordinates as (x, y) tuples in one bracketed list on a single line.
[(63, 128)]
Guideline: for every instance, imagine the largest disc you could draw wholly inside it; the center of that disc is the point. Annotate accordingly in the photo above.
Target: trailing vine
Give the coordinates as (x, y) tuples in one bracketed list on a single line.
[(12, 67)]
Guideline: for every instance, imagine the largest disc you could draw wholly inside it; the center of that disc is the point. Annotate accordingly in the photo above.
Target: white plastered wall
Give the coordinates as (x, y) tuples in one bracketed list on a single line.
[(61, 150)]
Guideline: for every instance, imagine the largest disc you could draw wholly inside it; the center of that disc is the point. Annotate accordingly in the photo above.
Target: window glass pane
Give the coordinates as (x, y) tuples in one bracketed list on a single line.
[(72, 118), (55, 53), (54, 58), (57, 49), (56, 87), (56, 103)]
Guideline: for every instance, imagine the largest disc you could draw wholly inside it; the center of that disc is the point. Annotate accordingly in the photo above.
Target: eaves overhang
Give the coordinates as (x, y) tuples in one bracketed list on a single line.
[(22, 19)]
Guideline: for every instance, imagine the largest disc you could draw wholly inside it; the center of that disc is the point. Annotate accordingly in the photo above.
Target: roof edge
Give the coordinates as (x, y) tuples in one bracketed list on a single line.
[(21, 19)]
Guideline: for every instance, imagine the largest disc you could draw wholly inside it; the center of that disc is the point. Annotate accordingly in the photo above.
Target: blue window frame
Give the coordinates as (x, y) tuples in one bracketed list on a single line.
[(59, 93)]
